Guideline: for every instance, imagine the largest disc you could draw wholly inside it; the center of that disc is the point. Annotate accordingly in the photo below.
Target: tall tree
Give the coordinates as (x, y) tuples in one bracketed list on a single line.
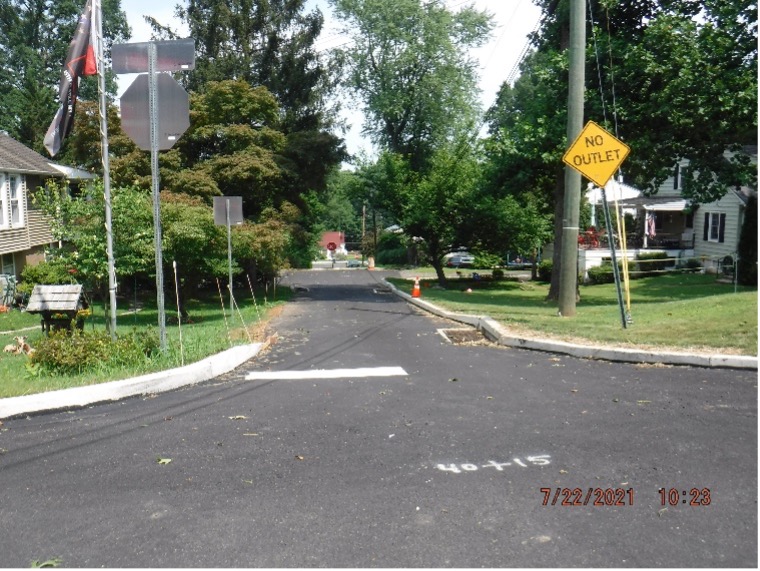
[(267, 43), (445, 205), (271, 44), (685, 86), (34, 38), (409, 65)]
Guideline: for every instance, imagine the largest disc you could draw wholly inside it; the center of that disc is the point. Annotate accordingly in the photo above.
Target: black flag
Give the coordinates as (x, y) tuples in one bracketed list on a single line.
[(80, 60)]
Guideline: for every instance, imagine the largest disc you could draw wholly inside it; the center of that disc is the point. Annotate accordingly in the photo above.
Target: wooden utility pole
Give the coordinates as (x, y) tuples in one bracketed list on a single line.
[(568, 278)]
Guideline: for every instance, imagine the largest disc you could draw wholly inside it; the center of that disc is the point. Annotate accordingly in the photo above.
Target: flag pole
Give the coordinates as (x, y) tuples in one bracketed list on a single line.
[(102, 107)]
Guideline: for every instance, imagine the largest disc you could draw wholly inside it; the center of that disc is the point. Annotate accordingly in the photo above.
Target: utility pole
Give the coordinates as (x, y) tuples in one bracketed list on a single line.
[(568, 278)]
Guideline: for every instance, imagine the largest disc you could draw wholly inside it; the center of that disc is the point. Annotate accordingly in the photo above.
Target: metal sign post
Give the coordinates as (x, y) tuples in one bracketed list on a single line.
[(153, 106), (228, 210), (615, 270), (155, 113)]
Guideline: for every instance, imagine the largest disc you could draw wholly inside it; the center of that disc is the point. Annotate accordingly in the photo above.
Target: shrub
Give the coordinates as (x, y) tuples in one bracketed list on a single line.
[(391, 249), (497, 274), (64, 353), (53, 272), (545, 271), (604, 275), (486, 261), (653, 261), (692, 264)]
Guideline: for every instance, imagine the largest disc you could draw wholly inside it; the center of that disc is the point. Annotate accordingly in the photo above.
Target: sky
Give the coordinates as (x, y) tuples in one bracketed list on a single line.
[(514, 20)]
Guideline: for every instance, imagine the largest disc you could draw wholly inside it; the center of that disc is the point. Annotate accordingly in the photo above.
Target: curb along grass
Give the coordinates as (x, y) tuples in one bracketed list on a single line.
[(204, 335), (515, 314)]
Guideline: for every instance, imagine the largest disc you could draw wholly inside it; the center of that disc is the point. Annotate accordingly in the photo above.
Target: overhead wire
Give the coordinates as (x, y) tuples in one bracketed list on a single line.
[(619, 219)]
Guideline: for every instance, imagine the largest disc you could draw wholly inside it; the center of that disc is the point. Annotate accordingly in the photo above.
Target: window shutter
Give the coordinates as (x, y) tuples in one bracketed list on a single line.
[(706, 230), (722, 228)]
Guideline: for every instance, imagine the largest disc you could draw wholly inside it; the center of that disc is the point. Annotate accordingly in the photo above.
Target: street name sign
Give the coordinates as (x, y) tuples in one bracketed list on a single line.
[(171, 55), (596, 154)]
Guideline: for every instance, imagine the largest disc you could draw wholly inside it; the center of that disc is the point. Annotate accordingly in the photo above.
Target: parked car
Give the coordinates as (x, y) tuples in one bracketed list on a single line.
[(460, 261), (354, 264)]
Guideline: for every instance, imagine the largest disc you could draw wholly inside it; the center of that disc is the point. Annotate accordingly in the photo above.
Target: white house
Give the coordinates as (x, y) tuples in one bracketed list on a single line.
[(666, 222), (24, 230)]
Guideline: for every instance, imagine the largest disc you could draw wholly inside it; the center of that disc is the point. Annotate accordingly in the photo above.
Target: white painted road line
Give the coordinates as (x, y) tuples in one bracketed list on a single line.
[(327, 374)]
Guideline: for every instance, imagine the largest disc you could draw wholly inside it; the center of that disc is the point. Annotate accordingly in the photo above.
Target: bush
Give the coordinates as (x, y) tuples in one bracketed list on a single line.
[(54, 272), (64, 353), (604, 275), (692, 264), (391, 249), (486, 261), (497, 274), (545, 271), (653, 261)]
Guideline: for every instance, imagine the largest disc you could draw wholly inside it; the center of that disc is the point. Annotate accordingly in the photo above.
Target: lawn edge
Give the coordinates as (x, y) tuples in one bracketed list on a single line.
[(152, 383), (497, 333)]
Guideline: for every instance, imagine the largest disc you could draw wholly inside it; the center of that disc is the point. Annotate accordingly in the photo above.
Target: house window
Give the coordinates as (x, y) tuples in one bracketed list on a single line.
[(6, 265), (11, 201), (3, 202), (715, 227), (16, 200)]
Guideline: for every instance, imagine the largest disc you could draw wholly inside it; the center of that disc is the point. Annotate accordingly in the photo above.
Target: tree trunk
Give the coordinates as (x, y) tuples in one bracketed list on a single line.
[(438, 267)]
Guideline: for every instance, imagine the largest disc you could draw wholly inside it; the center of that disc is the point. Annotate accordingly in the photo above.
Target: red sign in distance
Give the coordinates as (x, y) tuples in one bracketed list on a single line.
[(332, 246)]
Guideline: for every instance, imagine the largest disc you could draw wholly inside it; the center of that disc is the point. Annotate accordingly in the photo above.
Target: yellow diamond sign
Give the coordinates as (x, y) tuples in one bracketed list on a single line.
[(596, 154)]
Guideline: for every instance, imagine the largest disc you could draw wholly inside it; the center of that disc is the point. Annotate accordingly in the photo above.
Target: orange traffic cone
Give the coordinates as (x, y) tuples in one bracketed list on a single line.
[(416, 288)]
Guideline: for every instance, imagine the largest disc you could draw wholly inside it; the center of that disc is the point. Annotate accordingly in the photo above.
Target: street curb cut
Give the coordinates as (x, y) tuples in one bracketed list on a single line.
[(495, 332), (152, 383)]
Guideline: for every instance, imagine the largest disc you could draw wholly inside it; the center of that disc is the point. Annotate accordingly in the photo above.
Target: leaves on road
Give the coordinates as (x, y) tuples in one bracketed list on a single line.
[(299, 457), (238, 417), (163, 461), (55, 562)]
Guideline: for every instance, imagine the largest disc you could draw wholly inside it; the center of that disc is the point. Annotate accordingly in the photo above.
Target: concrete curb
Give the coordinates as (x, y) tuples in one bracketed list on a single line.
[(495, 332), (152, 383)]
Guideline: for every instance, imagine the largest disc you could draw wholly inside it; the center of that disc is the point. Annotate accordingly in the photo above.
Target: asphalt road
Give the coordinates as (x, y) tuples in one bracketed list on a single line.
[(439, 464)]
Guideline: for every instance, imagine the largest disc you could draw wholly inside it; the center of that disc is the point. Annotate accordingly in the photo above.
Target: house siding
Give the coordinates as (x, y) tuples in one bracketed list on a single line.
[(35, 232), (733, 207)]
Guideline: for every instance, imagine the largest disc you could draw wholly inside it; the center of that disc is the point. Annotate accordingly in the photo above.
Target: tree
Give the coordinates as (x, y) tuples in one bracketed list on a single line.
[(408, 63), (34, 38), (263, 43), (342, 207), (747, 250), (444, 206), (230, 148), (685, 87), (190, 238)]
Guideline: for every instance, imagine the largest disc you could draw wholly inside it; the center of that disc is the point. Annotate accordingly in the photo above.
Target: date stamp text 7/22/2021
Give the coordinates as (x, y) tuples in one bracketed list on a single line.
[(694, 497)]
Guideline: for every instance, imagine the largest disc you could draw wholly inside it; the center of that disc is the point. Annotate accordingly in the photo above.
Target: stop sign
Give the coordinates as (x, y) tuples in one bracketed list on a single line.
[(173, 111)]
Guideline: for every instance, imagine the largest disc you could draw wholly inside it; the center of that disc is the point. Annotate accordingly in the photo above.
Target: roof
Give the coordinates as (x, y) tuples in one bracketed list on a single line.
[(55, 298), (73, 173), (16, 157), (614, 191)]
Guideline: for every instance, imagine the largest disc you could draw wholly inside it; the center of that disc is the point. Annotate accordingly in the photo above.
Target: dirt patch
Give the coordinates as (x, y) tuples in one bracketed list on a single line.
[(463, 336), (259, 331)]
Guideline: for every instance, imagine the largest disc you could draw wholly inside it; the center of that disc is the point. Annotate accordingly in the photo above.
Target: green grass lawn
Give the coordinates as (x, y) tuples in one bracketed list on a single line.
[(209, 331), (677, 311)]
